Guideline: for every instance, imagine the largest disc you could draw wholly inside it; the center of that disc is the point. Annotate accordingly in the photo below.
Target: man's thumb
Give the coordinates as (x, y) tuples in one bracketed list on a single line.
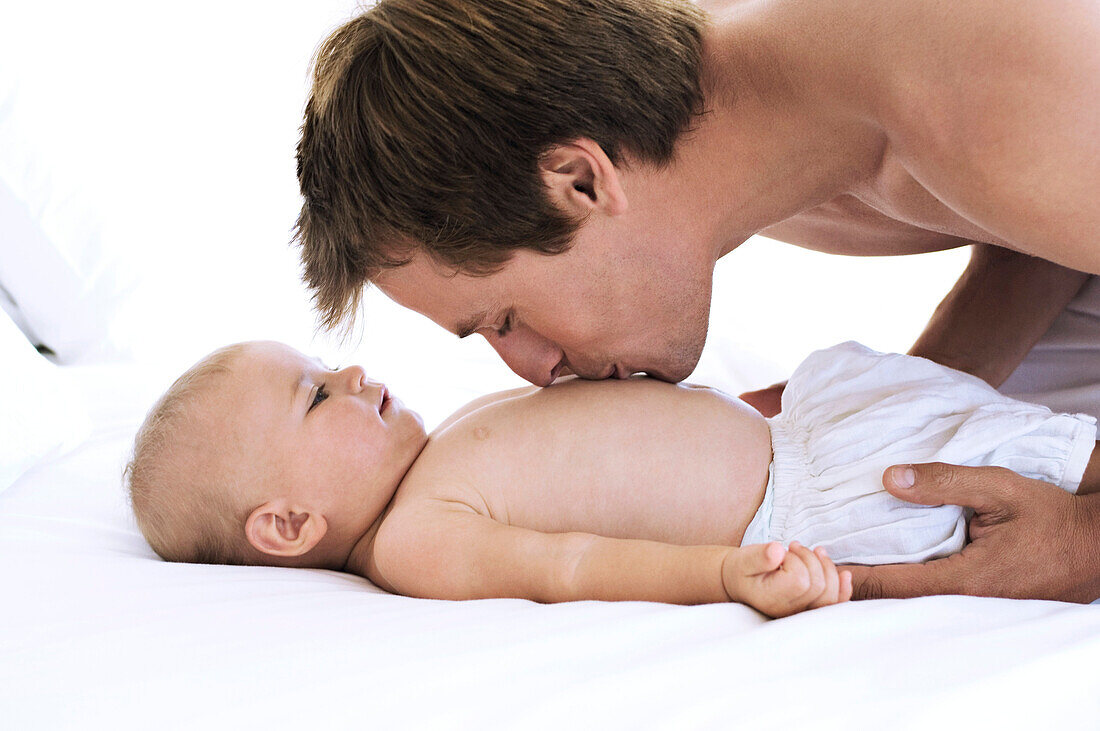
[(937, 483)]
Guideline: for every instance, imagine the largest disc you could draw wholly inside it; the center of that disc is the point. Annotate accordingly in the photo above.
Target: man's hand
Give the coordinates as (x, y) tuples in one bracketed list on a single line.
[(1029, 539), (779, 581), (767, 400)]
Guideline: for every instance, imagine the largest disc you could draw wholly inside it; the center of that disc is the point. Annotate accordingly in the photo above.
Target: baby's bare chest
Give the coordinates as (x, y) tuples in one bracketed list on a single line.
[(682, 470)]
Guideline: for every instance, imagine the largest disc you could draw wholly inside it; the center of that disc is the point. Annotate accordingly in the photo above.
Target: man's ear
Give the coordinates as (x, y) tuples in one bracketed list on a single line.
[(580, 179), (279, 529)]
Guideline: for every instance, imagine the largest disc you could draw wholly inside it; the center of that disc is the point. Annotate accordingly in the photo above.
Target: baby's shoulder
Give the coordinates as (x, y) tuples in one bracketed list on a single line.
[(414, 538), (480, 403)]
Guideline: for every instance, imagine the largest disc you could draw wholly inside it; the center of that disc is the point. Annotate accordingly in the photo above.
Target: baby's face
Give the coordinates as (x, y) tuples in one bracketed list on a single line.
[(334, 441)]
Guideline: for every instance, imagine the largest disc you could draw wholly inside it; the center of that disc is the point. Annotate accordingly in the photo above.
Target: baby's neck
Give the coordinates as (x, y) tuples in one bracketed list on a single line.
[(356, 559), (359, 556)]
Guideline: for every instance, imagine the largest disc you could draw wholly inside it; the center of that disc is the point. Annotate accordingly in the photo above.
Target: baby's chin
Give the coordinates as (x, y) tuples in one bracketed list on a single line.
[(418, 445), (394, 408), (420, 437)]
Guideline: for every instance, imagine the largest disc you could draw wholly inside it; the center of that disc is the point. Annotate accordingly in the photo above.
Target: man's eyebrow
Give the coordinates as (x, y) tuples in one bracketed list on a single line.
[(467, 327)]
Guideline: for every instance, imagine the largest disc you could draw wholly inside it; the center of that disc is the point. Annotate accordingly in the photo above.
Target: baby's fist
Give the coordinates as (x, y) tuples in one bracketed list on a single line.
[(780, 581)]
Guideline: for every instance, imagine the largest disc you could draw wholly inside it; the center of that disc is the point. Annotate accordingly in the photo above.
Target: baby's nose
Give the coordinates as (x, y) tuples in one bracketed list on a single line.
[(355, 378)]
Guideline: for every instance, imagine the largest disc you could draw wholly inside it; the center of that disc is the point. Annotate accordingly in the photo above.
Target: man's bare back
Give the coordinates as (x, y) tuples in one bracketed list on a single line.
[(988, 117)]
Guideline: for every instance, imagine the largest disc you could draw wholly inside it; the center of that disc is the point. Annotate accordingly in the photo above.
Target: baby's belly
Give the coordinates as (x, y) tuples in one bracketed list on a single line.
[(641, 460)]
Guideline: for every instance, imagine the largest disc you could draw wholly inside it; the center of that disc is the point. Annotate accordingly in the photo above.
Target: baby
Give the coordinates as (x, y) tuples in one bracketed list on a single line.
[(612, 490)]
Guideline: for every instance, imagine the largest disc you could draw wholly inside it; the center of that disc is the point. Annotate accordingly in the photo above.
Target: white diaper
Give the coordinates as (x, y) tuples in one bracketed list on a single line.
[(850, 412)]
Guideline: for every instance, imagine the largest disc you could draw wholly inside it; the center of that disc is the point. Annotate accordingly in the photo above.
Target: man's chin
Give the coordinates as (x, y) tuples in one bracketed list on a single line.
[(671, 374), (664, 376)]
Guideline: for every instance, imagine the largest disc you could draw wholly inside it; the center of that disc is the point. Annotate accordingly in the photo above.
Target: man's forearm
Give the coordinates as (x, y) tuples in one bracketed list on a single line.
[(1000, 307)]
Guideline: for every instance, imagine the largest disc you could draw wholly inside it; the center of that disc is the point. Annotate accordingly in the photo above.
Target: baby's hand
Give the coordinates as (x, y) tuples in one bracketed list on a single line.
[(780, 582)]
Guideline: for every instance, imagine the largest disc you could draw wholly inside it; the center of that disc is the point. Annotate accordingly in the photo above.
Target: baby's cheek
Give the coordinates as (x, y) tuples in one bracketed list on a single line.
[(371, 454)]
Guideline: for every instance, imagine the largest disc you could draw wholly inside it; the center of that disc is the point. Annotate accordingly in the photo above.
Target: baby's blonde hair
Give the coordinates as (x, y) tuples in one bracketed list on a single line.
[(186, 514)]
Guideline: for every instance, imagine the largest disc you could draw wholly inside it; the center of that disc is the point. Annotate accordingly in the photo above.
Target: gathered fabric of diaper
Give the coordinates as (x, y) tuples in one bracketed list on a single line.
[(850, 412)]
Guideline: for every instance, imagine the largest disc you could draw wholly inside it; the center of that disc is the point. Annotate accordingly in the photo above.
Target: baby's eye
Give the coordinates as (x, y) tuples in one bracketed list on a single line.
[(318, 397)]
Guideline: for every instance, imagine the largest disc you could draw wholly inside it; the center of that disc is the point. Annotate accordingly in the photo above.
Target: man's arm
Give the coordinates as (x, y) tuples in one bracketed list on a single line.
[(1029, 539), (465, 555), (1001, 305), (996, 312)]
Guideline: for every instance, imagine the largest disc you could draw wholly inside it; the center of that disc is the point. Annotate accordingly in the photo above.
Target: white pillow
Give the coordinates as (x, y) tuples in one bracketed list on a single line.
[(62, 290), (43, 415), (64, 279), (147, 151)]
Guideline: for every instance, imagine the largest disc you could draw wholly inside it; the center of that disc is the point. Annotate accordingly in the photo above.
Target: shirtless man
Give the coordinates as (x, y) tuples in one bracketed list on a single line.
[(561, 178)]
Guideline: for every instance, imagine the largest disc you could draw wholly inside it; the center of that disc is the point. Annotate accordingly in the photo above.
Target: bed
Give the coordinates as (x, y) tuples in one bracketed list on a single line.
[(146, 194), (98, 632)]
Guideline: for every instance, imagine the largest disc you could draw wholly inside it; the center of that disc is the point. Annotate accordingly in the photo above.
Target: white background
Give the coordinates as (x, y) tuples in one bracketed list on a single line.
[(155, 144), (169, 131)]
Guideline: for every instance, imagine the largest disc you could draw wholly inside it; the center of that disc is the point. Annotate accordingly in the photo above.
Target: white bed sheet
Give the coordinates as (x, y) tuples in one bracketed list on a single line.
[(95, 632)]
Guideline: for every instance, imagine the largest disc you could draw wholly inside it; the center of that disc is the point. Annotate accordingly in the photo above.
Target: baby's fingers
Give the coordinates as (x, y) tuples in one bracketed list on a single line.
[(832, 592), (762, 558), (815, 572), (793, 577)]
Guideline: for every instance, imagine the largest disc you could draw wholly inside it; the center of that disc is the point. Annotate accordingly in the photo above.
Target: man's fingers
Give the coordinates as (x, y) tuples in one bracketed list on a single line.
[(942, 576), (768, 401), (983, 488)]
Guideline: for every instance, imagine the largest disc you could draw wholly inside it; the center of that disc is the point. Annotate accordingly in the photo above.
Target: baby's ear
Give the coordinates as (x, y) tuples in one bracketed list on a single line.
[(277, 528)]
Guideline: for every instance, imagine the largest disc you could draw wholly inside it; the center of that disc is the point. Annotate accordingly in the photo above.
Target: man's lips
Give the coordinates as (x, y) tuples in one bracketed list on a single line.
[(616, 370), (613, 370), (383, 399)]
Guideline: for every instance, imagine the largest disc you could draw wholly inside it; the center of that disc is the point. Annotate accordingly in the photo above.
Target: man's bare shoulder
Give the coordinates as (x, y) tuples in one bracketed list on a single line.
[(954, 61), (995, 110)]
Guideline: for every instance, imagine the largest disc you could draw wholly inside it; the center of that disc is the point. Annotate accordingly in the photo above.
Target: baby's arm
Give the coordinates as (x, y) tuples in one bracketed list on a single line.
[(451, 552)]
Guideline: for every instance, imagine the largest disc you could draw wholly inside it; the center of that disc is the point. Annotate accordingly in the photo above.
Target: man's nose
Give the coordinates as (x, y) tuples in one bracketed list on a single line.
[(532, 357)]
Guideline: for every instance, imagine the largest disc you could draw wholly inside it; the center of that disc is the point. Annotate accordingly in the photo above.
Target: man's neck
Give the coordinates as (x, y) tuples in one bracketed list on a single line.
[(777, 138)]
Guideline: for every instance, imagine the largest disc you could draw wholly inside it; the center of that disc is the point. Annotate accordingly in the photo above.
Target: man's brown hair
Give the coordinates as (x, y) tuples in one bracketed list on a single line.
[(427, 119)]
